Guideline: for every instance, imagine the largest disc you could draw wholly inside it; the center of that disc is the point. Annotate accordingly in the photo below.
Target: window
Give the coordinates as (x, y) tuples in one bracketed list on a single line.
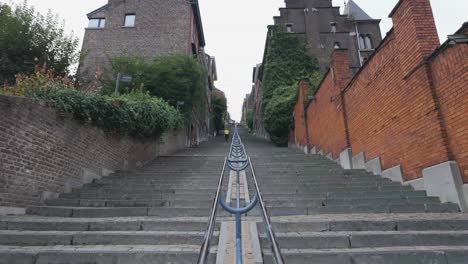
[(368, 41), (362, 43), (337, 45), (365, 42), (289, 28), (97, 23), (333, 27), (129, 20)]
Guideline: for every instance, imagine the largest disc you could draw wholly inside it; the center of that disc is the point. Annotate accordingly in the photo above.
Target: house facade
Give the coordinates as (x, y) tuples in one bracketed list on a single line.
[(147, 28), (323, 28)]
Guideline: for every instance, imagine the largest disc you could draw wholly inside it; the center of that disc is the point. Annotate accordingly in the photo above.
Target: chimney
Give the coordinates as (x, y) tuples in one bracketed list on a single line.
[(339, 66), (415, 32)]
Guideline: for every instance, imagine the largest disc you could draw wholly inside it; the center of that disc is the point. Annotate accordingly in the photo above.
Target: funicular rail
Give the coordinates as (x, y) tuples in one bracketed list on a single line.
[(238, 161)]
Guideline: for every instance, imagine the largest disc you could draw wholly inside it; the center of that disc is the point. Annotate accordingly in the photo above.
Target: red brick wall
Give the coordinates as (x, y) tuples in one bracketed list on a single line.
[(408, 105), (325, 114), (41, 151), (300, 130), (394, 118), (450, 75)]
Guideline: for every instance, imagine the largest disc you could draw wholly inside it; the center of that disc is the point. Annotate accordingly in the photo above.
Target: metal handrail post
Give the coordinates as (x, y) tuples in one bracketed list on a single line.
[(238, 221)]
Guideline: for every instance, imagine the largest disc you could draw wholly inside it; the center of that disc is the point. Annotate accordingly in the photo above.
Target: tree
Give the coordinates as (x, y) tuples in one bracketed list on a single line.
[(219, 104), (174, 78), (28, 38), (249, 119), (278, 114), (178, 78), (286, 62)]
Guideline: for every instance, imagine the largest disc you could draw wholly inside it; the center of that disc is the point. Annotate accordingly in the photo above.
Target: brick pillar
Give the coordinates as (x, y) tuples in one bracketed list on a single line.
[(342, 77), (339, 66), (415, 32), (300, 125)]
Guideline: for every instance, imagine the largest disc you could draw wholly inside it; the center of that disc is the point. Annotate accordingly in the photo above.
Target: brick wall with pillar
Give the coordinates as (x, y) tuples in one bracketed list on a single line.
[(402, 115), (325, 113)]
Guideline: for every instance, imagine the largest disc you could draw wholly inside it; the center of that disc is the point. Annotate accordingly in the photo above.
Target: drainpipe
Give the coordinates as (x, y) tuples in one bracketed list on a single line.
[(358, 44)]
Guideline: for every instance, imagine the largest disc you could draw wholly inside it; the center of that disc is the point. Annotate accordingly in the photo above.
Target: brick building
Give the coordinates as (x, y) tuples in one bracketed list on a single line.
[(148, 28), (323, 28), (403, 115)]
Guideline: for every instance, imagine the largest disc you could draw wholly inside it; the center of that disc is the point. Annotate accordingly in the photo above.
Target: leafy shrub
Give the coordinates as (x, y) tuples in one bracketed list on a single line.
[(286, 62), (174, 78), (249, 118), (28, 38), (135, 114), (41, 79), (219, 104), (278, 116)]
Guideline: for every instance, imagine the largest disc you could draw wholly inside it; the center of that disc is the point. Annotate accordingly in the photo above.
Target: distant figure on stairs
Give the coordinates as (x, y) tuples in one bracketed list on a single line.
[(226, 134)]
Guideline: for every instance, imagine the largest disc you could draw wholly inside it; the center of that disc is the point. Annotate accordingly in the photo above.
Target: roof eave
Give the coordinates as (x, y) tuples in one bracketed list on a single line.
[(196, 11), (97, 10)]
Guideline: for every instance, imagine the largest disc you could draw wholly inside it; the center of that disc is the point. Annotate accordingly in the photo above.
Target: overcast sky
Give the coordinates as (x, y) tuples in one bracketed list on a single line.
[(235, 31)]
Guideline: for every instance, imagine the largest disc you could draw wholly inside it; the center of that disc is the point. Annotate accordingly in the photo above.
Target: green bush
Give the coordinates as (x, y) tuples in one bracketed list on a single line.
[(278, 116), (249, 119), (219, 104), (286, 62), (28, 38), (174, 78), (135, 114)]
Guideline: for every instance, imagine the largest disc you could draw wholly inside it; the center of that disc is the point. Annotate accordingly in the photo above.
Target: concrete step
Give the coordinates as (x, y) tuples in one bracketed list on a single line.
[(343, 195), (362, 208), (330, 188), (391, 255), (371, 222), (52, 238), (139, 196), (87, 212), (112, 254), (367, 239), (33, 223), (353, 202), (205, 202)]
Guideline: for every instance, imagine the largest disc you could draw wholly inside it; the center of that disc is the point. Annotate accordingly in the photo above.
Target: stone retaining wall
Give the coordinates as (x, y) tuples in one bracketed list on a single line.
[(43, 153)]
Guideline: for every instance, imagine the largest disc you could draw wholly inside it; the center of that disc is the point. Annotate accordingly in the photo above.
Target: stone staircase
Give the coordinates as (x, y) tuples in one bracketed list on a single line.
[(325, 214), (157, 214)]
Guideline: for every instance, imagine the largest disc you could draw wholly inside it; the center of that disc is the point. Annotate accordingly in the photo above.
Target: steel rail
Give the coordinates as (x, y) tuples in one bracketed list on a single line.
[(266, 220), (205, 248), (237, 155)]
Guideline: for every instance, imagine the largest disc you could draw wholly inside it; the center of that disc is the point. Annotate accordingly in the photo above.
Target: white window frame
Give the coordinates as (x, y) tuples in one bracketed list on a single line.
[(333, 27), (126, 21), (101, 22)]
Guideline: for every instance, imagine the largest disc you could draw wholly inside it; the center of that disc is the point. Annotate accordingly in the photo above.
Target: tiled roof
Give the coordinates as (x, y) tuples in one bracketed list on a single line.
[(354, 12)]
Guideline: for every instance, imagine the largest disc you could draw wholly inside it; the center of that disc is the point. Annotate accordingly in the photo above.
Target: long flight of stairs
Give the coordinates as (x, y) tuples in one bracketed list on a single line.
[(157, 214), (327, 215)]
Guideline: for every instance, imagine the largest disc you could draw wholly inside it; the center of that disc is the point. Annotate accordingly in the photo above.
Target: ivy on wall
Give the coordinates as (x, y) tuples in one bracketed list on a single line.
[(286, 61)]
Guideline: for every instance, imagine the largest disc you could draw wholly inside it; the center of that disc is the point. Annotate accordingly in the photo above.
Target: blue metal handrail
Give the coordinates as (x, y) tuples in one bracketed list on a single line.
[(238, 161), (237, 164)]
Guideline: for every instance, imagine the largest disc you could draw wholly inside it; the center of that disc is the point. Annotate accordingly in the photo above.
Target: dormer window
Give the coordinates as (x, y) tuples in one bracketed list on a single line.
[(365, 42), (97, 23), (333, 27), (129, 20), (289, 28), (368, 42)]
